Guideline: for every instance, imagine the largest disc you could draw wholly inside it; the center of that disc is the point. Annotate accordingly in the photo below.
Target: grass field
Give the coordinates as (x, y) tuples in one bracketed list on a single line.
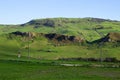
[(42, 61), (16, 70), (41, 48)]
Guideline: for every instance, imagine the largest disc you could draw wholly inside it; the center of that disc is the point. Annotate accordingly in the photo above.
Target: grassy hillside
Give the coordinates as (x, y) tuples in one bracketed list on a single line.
[(46, 46), (89, 29), (84, 27), (43, 48)]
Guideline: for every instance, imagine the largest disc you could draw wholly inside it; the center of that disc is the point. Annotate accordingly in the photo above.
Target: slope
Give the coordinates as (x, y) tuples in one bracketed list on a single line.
[(41, 47), (84, 27)]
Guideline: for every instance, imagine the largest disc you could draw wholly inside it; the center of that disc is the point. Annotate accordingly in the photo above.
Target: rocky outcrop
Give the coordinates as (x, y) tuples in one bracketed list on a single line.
[(27, 34), (50, 36), (58, 37), (18, 33), (110, 37), (43, 22), (113, 37)]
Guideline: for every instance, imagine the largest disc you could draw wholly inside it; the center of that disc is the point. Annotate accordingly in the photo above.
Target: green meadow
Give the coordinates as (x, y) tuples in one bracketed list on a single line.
[(16, 70), (41, 59)]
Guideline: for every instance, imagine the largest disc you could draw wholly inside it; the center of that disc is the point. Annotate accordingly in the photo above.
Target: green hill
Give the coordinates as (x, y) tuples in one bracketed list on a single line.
[(84, 27), (63, 44), (40, 47)]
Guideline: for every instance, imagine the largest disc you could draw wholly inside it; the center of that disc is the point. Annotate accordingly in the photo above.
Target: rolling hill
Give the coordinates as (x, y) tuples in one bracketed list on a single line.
[(55, 38), (84, 27)]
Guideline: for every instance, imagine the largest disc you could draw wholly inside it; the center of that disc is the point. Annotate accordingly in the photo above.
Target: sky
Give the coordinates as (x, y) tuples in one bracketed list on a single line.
[(22, 11)]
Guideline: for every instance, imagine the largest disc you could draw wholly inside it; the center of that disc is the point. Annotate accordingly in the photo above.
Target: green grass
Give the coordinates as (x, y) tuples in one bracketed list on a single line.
[(42, 48), (43, 63), (15, 70)]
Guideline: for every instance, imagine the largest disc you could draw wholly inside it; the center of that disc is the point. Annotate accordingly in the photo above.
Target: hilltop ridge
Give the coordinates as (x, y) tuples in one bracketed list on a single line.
[(88, 28), (54, 22)]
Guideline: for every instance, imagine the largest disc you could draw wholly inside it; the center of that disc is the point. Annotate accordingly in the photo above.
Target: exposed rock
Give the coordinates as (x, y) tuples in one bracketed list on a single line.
[(58, 37), (114, 37), (110, 37), (50, 36), (27, 34), (18, 33), (45, 22), (99, 20)]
